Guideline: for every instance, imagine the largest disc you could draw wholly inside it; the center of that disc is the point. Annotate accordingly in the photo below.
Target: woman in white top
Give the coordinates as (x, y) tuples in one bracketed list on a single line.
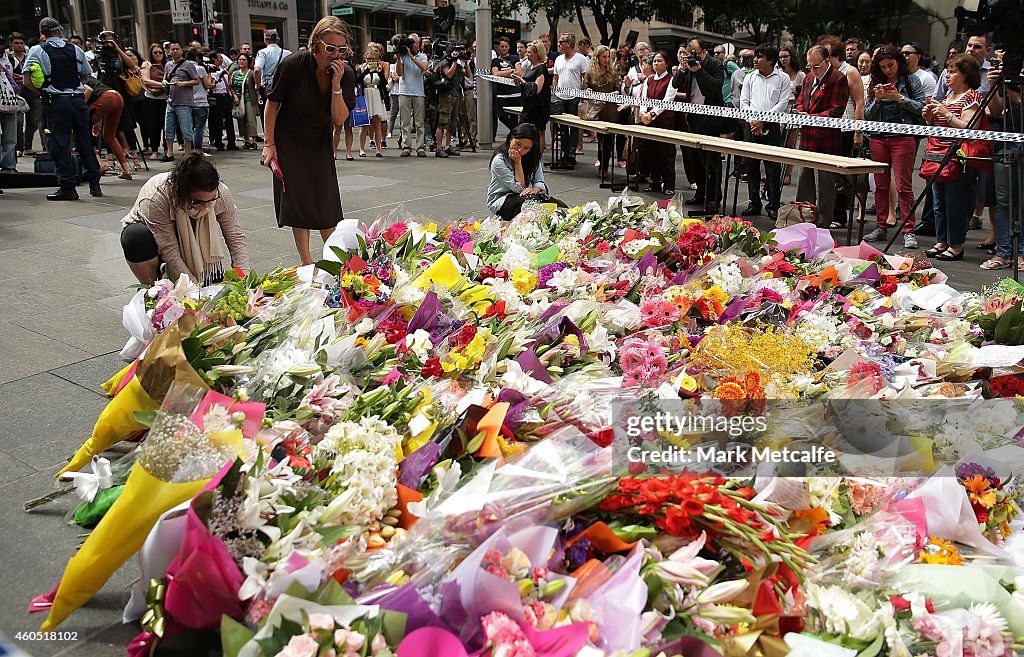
[(372, 77)]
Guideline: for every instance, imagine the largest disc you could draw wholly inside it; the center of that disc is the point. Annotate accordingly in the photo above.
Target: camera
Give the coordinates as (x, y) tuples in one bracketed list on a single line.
[(693, 60), (1005, 20), (402, 44)]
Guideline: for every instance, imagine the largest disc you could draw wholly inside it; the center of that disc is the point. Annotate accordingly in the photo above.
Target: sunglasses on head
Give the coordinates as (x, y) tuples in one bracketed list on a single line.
[(329, 48)]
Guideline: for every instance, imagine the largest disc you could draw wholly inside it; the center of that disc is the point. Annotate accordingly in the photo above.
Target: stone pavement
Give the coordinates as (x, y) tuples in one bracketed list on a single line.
[(63, 282)]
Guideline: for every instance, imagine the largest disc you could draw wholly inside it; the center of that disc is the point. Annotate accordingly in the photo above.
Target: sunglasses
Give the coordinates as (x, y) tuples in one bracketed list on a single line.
[(329, 48), (815, 67), (194, 203)]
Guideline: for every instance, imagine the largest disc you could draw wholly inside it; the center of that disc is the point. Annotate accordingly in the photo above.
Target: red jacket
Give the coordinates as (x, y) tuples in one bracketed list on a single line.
[(828, 99)]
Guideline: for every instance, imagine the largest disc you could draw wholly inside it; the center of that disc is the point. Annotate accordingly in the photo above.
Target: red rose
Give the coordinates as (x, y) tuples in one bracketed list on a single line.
[(899, 603), (488, 272), (394, 334), (432, 368), (462, 337), (887, 288), (929, 607)]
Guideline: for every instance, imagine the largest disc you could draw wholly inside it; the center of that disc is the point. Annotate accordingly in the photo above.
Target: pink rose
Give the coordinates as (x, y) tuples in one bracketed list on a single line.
[(321, 622), (349, 641), (300, 646), (500, 629)]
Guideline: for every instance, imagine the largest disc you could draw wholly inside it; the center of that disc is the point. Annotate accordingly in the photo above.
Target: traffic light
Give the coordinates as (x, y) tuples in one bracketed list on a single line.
[(195, 10)]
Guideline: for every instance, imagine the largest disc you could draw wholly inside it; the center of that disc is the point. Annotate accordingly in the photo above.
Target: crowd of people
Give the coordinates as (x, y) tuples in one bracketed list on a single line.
[(421, 95)]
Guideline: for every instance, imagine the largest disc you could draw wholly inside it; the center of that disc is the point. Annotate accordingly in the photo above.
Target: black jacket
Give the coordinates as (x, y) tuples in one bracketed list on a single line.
[(710, 78)]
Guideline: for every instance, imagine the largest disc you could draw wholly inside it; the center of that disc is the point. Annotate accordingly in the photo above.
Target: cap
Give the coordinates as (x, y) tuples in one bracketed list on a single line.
[(270, 35), (916, 45), (50, 24)]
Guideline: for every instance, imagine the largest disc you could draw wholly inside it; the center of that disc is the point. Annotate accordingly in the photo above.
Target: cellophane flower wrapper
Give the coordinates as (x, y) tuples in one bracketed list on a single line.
[(557, 477), (862, 557), (177, 460)]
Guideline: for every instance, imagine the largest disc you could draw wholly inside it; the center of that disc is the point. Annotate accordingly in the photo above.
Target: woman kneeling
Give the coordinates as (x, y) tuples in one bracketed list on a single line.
[(516, 173), (172, 222)]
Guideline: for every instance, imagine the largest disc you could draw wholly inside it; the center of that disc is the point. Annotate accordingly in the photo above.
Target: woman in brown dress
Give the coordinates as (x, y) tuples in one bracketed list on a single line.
[(305, 102)]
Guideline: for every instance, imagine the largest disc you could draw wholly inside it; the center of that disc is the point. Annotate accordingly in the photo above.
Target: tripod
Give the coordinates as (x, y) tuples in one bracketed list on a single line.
[(950, 153)]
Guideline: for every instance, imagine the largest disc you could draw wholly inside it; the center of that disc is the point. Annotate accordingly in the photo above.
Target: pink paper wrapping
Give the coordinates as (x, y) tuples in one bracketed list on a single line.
[(253, 413), (811, 241), (203, 580), (435, 642)]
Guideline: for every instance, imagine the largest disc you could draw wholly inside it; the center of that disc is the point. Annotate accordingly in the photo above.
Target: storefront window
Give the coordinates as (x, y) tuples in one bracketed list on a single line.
[(383, 26), (91, 18), (307, 14)]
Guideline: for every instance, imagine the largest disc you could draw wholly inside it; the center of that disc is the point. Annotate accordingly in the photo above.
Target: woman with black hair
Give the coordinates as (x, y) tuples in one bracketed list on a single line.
[(172, 222), (517, 173)]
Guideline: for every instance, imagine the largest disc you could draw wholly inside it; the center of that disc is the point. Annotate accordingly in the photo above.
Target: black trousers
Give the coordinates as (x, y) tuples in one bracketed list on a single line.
[(772, 170), (154, 124), (508, 120), (68, 117), (220, 119), (707, 169), (661, 158)]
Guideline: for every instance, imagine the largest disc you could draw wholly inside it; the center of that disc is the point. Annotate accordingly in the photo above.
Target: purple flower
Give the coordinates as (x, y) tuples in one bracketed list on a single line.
[(968, 470), (576, 554), (547, 271), (457, 239)]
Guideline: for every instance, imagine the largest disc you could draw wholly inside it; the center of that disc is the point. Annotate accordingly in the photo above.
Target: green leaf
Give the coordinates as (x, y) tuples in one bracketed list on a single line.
[(331, 535), (331, 594), (874, 648), (329, 266), (233, 635), (393, 626), (146, 418)]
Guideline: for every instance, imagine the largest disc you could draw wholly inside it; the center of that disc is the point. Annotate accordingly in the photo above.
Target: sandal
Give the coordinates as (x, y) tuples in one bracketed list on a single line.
[(950, 255), (669, 192), (653, 189), (935, 250), (835, 225), (379, 154), (995, 263), (986, 245), (361, 154)]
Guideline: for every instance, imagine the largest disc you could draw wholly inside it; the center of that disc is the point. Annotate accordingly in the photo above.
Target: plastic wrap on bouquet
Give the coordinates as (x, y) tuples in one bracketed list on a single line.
[(163, 365), (865, 555), (557, 477), (177, 460), (136, 321), (161, 546)]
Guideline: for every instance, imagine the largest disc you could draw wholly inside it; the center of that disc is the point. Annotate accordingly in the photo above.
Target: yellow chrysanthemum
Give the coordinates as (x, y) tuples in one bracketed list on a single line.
[(524, 281)]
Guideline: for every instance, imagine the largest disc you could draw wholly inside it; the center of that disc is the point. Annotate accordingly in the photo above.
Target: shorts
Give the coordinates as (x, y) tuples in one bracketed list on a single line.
[(138, 243), (447, 111)]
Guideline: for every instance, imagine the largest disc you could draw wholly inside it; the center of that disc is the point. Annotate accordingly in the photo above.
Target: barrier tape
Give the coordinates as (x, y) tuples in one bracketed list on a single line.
[(798, 120)]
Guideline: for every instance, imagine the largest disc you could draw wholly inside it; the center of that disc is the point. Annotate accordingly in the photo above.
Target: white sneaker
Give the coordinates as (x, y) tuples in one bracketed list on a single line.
[(909, 241), (877, 235)]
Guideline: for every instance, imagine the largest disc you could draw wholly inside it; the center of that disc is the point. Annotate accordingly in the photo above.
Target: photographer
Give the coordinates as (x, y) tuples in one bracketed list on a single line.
[(267, 61), (112, 65), (411, 66), (701, 79), (221, 104), (1009, 106), (447, 78)]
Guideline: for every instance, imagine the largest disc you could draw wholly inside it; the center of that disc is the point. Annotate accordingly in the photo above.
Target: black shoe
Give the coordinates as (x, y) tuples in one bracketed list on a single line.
[(454, 151), (63, 194), (751, 211), (94, 189), (948, 255), (220, 147), (166, 158), (232, 147), (870, 211), (694, 200)]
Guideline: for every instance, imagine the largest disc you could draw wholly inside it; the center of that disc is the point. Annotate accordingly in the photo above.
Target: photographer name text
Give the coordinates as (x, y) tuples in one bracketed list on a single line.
[(736, 455)]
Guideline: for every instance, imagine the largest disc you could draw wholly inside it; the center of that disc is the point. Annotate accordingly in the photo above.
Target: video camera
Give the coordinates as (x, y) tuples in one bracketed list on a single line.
[(402, 44), (1005, 20), (445, 50)]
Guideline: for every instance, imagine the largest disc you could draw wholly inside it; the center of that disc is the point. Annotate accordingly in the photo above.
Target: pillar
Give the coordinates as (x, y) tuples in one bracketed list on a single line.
[(484, 90)]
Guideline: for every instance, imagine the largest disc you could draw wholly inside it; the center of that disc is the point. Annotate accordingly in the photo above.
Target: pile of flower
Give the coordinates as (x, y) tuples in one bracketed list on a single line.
[(594, 431)]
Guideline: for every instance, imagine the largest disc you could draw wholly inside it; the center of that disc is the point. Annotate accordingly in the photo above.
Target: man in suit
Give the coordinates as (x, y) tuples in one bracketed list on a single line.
[(701, 77), (825, 94)]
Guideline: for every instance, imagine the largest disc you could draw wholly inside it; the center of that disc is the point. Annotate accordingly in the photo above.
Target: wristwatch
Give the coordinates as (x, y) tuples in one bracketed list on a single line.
[(338, 92)]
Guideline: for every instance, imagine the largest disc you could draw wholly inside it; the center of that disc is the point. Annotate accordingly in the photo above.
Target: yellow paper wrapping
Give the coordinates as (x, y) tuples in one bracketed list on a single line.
[(445, 272), (122, 531), (116, 422), (111, 385), (162, 365)]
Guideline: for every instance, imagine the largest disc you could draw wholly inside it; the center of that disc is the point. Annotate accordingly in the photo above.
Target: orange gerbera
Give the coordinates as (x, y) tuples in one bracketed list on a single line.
[(940, 551), (979, 491), (817, 516)]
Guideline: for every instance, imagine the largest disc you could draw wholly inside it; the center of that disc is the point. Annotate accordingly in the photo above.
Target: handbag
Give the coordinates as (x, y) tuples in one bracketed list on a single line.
[(10, 101), (359, 117), (590, 110), (978, 152), (796, 212), (238, 111), (132, 83), (934, 153)]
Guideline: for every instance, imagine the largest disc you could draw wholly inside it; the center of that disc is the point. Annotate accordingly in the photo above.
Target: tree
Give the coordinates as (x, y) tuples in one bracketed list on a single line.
[(554, 10)]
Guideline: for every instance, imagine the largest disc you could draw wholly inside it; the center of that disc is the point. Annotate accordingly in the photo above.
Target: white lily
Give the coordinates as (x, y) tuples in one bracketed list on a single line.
[(722, 615), (722, 591), (684, 566)]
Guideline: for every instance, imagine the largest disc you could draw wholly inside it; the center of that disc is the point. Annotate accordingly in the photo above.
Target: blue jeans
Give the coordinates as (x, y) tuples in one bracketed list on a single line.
[(1002, 173), (954, 204), (178, 118), (199, 116)]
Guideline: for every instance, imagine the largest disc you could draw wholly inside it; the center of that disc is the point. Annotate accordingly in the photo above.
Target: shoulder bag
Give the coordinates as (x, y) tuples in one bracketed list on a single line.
[(132, 83), (10, 102), (934, 153), (238, 111), (796, 212)]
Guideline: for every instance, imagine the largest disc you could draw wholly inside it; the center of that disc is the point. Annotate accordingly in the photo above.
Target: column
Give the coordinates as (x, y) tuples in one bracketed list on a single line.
[(141, 26), (484, 90), (106, 14)]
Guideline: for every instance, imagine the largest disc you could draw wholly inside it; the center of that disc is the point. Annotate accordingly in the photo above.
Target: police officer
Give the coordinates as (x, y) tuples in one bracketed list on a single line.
[(58, 69)]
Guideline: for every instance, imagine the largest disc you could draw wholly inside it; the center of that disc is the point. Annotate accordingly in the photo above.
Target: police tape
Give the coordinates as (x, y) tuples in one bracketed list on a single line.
[(797, 120)]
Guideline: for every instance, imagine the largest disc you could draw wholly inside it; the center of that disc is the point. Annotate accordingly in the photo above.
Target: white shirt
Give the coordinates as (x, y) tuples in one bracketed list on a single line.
[(267, 61), (670, 93), (928, 81), (766, 93), (570, 72)]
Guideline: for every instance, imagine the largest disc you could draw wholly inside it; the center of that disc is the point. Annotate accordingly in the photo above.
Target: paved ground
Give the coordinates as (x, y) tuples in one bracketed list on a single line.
[(63, 283)]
